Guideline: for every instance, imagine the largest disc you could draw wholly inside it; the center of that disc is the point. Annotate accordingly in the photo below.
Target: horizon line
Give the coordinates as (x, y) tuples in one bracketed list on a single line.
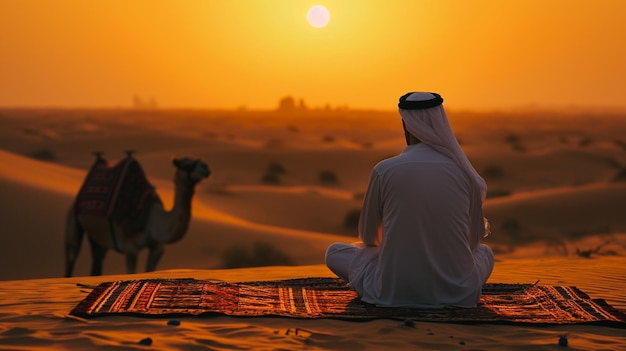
[(569, 108)]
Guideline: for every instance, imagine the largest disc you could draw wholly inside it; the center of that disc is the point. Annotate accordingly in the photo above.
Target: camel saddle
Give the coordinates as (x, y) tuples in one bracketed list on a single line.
[(121, 193)]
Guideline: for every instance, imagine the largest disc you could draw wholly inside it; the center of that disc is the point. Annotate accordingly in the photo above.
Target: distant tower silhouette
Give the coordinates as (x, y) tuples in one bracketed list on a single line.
[(303, 106)]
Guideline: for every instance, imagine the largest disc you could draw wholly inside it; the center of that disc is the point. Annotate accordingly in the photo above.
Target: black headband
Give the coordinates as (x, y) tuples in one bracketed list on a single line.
[(421, 104)]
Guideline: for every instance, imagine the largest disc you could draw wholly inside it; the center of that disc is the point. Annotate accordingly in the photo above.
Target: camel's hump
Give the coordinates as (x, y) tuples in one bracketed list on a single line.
[(121, 192)]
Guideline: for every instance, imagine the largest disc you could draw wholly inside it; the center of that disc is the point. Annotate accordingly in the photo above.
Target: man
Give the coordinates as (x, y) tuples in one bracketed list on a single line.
[(428, 203)]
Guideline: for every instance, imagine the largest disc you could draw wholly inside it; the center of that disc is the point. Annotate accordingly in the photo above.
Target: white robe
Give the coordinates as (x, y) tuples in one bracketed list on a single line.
[(426, 256)]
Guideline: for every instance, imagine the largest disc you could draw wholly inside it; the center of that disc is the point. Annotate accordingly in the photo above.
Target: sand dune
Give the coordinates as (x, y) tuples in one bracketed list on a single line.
[(240, 217), (41, 175), (34, 221), (559, 181), (559, 214), (561, 200)]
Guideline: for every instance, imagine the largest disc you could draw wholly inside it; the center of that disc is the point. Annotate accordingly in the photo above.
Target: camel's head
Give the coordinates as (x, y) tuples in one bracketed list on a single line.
[(195, 169)]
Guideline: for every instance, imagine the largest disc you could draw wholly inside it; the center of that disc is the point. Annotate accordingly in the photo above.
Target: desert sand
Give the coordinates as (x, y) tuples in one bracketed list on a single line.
[(556, 205)]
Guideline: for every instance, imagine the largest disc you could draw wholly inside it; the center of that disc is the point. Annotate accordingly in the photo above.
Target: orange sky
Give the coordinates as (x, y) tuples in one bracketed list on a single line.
[(478, 54)]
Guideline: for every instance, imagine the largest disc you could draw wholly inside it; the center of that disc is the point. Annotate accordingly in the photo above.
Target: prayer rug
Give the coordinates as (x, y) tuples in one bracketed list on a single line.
[(332, 298)]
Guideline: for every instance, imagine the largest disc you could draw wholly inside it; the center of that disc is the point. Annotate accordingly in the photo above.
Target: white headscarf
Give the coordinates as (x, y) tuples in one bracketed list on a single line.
[(431, 126)]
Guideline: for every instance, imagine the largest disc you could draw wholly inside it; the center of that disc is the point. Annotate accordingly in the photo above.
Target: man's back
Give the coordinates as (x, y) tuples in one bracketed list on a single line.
[(424, 255)]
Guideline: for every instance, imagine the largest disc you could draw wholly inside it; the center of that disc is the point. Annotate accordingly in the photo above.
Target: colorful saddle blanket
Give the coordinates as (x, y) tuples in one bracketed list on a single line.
[(122, 193)]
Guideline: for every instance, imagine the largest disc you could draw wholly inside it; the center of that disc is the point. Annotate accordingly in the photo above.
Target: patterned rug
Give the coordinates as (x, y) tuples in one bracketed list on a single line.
[(331, 298)]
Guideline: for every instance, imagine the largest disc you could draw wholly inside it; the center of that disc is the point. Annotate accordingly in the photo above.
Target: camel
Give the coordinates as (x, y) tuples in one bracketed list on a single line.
[(151, 227)]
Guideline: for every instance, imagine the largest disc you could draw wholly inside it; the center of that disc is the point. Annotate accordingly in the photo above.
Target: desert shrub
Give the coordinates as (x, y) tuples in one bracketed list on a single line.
[(270, 178), (43, 155), (620, 176), (273, 172), (351, 220), (328, 138), (235, 256), (587, 253), (30, 131), (260, 254), (493, 172), (513, 138), (328, 177), (516, 142), (276, 168), (510, 226), (613, 162), (585, 142)]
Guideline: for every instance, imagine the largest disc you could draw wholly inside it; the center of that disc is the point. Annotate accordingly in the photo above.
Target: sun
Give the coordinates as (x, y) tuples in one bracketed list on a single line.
[(318, 16)]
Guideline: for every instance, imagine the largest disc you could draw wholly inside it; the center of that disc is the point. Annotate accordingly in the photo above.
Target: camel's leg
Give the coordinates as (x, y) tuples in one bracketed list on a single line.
[(154, 255), (97, 257), (73, 240)]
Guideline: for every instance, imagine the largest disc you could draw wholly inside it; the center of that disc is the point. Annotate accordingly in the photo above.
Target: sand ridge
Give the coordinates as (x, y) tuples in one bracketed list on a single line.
[(556, 214), (552, 178)]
